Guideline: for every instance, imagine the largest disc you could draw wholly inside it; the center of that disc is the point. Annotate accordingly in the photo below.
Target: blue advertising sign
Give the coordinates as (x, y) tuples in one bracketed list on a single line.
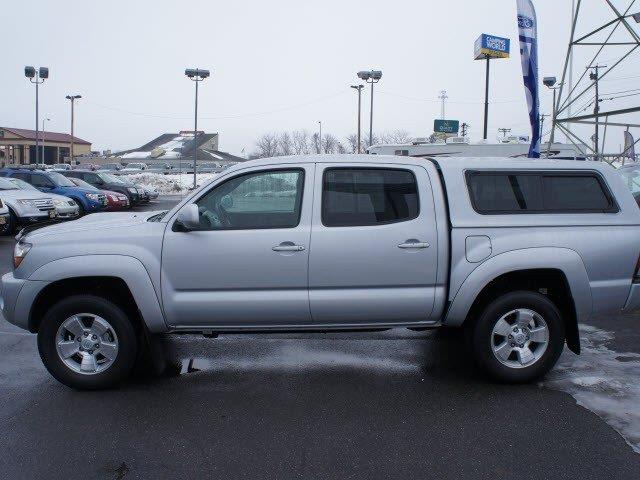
[(446, 126), (490, 46)]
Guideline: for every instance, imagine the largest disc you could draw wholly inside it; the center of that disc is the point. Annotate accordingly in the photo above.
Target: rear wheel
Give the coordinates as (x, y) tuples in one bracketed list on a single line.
[(87, 342), (518, 337)]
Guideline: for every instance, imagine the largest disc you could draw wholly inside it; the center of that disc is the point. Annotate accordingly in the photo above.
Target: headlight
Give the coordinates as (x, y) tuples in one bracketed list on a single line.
[(28, 203), (60, 203), (19, 252), (132, 190), (93, 196)]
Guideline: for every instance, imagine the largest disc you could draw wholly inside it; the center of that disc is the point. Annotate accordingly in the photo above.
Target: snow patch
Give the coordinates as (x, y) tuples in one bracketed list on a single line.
[(172, 184), (603, 381)]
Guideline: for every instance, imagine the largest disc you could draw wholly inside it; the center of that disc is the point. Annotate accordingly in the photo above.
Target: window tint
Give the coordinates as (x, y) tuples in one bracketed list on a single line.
[(526, 192), (358, 197), (257, 200), (41, 181), (22, 176)]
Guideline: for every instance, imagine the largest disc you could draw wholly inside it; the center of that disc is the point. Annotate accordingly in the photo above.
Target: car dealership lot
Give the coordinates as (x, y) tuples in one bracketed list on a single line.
[(395, 404)]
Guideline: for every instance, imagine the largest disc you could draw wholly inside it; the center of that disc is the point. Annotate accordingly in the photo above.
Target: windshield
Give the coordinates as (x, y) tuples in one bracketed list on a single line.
[(61, 180), (83, 184), (21, 184), (7, 185), (108, 178), (631, 177)]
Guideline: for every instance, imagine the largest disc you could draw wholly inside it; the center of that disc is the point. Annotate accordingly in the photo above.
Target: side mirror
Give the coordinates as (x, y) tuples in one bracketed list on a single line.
[(188, 218)]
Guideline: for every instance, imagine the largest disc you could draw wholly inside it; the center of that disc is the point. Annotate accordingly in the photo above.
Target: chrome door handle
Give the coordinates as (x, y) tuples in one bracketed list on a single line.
[(288, 248), (414, 245)]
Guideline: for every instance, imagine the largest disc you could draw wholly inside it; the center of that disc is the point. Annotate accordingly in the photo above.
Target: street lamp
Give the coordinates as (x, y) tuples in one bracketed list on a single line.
[(371, 76), (550, 82), (197, 76), (72, 99), (359, 89), (36, 77)]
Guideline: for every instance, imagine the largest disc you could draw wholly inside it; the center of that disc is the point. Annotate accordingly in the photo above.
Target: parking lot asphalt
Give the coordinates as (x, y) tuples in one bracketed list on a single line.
[(395, 404)]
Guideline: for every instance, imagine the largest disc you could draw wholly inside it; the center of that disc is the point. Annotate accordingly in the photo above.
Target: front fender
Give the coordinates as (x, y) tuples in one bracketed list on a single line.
[(129, 269), (564, 259)]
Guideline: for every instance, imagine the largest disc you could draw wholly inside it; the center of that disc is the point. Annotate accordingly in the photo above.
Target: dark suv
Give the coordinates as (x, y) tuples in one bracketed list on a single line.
[(106, 181)]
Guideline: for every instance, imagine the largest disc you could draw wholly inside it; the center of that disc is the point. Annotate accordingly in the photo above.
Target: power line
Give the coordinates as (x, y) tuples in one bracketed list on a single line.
[(430, 100)]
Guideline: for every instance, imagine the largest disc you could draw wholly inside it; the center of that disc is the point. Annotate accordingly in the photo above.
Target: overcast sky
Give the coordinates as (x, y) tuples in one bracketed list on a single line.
[(276, 65)]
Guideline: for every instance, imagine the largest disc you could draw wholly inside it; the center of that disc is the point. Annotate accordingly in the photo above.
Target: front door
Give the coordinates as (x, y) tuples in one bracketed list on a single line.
[(374, 245), (247, 264)]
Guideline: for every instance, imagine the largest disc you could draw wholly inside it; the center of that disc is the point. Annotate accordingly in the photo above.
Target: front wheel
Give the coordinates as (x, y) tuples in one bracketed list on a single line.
[(518, 337), (87, 342)]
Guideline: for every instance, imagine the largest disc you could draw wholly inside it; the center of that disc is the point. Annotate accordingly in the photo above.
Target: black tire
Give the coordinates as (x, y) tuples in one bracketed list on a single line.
[(12, 224), (81, 211), (480, 336), (127, 342)]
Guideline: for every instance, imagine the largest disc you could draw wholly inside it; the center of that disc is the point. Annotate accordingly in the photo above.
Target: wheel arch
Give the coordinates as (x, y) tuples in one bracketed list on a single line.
[(120, 278), (558, 273)]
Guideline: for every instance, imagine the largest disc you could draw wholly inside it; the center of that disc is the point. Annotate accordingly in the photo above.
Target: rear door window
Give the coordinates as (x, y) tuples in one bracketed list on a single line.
[(539, 192), (368, 196)]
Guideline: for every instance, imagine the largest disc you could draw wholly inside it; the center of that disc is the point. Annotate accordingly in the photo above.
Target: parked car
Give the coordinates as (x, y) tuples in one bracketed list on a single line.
[(159, 167), (115, 200), (151, 193), (209, 167), (4, 217), (109, 167), (88, 201), (61, 166), (134, 167), (516, 252), (106, 181), (183, 167), (66, 208), (25, 207)]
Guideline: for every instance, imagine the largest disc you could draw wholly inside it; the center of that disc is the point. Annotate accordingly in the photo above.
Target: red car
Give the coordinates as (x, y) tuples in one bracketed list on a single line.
[(115, 200)]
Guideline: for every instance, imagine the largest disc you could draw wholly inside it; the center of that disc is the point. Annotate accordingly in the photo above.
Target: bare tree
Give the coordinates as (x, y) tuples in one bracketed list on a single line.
[(340, 148), (285, 144), (366, 143), (267, 146), (316, 143), (352, 142), (301, 142), (397, 136), (329, 143)]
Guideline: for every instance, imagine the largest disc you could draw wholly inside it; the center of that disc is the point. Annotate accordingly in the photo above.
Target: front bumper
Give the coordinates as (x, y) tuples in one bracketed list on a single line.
[(35, 216), (67, 213)]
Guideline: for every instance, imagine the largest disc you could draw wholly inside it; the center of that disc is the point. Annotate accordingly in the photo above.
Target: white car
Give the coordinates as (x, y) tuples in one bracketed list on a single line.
[(66, 208), (134, 168), (4, 217), (26, 207)]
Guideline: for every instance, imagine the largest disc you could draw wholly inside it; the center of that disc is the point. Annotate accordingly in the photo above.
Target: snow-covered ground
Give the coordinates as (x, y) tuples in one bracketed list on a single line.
[(173, 184), (603, 381)]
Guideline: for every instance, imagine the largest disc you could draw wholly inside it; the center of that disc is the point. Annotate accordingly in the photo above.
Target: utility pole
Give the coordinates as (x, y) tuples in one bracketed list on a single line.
[(465, 127), (72, 99), (504, 131), (359, 88), (443, 96), (594, 76), (542, 124)]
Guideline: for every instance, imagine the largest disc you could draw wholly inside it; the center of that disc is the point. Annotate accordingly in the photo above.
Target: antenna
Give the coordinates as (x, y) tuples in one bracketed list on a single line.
[(443, 96)]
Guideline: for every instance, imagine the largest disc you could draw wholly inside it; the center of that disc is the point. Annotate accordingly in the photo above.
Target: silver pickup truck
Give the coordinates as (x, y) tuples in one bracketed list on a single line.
[(517, 252)]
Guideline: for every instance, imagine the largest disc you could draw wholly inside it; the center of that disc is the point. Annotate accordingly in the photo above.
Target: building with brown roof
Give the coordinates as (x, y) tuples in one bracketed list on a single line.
[(18, 145)]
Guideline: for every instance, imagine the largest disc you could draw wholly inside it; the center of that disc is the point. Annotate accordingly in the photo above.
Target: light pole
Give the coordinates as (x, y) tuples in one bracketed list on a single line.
[(371, 76), (320, 138), (550, 82), (36, 77), (443, 96), (45, 119), (595, 76), (359, 89), (72, 99), (197, 76)]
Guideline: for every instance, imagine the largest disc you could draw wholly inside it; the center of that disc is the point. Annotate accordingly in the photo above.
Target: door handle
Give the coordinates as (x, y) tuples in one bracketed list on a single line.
[(288, 248), (414, 244)]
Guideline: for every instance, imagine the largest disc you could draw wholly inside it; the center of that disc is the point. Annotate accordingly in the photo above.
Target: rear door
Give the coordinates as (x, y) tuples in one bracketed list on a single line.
[(374, 245)]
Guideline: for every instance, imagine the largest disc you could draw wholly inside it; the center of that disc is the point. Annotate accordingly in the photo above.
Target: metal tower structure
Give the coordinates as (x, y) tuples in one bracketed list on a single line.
[(605, 35)]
